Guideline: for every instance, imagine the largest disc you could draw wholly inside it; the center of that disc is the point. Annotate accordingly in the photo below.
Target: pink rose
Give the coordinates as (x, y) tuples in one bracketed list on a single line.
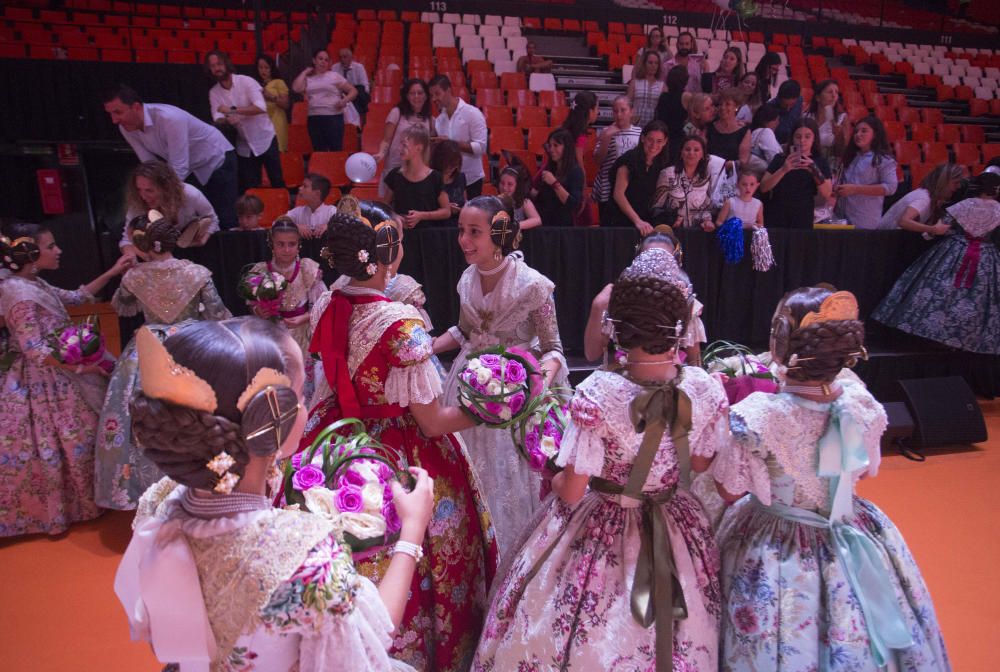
[(493, 408), (384, 473), (351, 477), (532, 442), (746, 619), (349, 499), (516, 373), (537, 460), (516, 402), (307, 477), (297, 460), (392, 522), (491, 362)]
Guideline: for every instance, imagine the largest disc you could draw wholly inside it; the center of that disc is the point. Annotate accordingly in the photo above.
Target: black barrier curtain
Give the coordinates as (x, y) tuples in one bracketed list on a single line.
[(738, 300)]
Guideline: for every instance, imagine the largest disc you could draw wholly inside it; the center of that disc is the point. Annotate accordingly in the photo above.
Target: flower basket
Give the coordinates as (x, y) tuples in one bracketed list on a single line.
[(263, 290), (498, 385), (745, 373), (81, 345)]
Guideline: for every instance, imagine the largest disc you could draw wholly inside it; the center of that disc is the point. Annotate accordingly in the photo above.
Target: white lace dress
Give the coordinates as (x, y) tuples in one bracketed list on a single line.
[(519, 312)]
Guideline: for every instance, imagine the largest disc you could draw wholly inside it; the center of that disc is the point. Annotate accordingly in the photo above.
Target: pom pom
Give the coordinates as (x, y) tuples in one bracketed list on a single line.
[(760, 251), (731, 240)]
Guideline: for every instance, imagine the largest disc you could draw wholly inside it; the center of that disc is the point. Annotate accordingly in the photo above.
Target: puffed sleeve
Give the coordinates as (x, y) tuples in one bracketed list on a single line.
[(709, 412), (583, 444), (740, 465), (338, 614), (546, 327), (23, 321), (125, 302), (694, 333), (413, 378), (212, 307), (870, 414)]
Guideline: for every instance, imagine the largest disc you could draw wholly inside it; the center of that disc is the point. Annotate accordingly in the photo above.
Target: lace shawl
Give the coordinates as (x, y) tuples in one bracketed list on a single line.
[(163, 288), (976, 216)]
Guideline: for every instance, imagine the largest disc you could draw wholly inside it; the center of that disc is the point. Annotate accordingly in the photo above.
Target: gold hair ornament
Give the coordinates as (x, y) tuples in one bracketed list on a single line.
[(164, 379), (264, 378), (836, 307), (277, 417)]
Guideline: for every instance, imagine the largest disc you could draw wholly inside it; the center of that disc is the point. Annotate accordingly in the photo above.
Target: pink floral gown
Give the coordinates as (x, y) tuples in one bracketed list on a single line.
[(573, 614), (48, 417)]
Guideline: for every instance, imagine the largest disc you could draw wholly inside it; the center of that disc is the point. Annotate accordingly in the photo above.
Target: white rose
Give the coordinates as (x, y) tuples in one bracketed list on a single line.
[(367, 470), (474, 364), (321, 500), (493, 388), (505, 413), (371, 498), (548, 446), (484, 376), (361, 525), (72, 340)]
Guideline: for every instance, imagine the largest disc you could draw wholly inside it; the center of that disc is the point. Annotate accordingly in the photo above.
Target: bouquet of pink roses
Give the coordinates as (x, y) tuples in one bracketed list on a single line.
[(539, 435), (263, 290), (498, 385), (347, 478), (744, 372), (81, 345)]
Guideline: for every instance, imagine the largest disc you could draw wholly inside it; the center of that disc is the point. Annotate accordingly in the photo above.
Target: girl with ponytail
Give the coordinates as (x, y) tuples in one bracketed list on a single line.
[(48, 410)]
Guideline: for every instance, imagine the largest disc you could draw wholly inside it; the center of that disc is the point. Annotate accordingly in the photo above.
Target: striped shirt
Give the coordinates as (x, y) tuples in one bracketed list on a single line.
[(622, 141)]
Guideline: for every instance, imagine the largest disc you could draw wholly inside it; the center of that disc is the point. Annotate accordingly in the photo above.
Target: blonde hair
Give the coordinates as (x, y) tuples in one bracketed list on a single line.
[(166, 180)]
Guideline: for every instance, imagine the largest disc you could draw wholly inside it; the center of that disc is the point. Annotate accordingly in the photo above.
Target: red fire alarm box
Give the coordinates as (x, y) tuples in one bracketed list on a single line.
[(50, 188)]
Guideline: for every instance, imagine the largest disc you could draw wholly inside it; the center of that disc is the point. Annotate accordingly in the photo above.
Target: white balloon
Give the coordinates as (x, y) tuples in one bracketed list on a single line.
[(360, 167)]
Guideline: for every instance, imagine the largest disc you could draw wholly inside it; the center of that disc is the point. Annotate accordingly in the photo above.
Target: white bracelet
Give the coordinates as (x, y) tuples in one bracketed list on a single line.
[(407, 548)]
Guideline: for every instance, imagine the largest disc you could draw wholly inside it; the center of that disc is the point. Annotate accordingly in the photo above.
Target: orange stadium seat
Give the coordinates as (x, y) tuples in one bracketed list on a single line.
[(498, 115), (276, 203), (293, 168), (531, 115), (298, 140), (949, 133), (536, 138), (972, 133), (505, 137), (966, 153), (922, 132), (331, 166), (907, 153), (935, 152)]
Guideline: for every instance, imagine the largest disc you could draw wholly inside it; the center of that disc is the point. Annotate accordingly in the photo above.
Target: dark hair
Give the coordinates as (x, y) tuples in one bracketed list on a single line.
[(677, 78), (248, 204), (764, 115), (121, 92), (159, 236), (568, 161), (521, 180), (440, 81), (226, 355), (824, 348), (347, 236), (645, 309), (222, 56), (24, 252), (321, 183), (579, 116), (319, 50), (649, 39), (805, 122), (789, 89), (880, 142), (838, 107), (738, 71), (763, 76), (445, 156), (283, 224), (701, 170), (508, 237), (405, 109), (984, 184), (271, 64), (689, 34), (755, 97), (660, 160)]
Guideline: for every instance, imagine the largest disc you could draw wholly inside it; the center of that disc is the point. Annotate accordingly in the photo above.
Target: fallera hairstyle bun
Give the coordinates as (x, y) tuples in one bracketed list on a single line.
[(19, 245), (820, 350), (226, 355), (356, 244), (650, 303), (505, 230), (157, 236)]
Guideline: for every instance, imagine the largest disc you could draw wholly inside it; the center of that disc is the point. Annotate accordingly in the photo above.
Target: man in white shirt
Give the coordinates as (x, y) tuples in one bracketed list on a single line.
[(313, 216), (238, 101), (356, 76), (196, 151), (464, 124)]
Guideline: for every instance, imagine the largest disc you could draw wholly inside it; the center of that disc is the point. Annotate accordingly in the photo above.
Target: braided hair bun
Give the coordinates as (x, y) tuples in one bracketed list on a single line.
[(819, 351), (150, 233), (650, 303), (19, 245), (227, 355), (353, 245)]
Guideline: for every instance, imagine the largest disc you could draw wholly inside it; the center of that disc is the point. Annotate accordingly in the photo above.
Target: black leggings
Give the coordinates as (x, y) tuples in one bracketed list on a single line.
[(326, 132)]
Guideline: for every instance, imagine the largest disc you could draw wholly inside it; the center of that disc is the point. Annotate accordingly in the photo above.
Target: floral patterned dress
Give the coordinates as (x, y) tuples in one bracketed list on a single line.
[(570, 609), (519, 312), (951, 294), (169, 293), (788, 600), (48, 417), (274, 587), (384, 366)]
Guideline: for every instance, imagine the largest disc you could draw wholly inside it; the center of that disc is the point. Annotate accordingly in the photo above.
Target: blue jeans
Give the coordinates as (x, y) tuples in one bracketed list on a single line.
[(326, 132)]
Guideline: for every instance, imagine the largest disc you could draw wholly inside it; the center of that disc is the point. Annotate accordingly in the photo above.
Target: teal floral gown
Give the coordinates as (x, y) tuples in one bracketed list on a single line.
[(169, 293)]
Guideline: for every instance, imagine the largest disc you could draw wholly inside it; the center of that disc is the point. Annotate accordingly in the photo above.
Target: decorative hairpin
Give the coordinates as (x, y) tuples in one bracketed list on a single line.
[(278, 417), (503, 220), (220, 466), (163, 378), (794, 360), (836, 307)]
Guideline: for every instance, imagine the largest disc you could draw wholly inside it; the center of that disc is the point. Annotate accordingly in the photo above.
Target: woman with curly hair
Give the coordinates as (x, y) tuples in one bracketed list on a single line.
[(805, 562), (214, 577), (623, 575), (377, 364), (682, 190)]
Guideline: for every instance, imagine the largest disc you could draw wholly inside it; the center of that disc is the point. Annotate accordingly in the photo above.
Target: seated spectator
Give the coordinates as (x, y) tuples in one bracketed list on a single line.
[(770, 76), (728, 137), (581, 116), (794, 178), (557, 190), (701, 114), (514, 182), (645, 88), (672, 108), (412, 110), (415, 190), (633, 180), (446, 158), (313, 215), (869, 175), (531, 63), (683, 190), (921, 209), (827, 108), (751, 100), (763, 145), (744, 206), (789, 104), (249, 208), (654, 42), (153, 185), (687, 57), (727, 75), (616, 139)]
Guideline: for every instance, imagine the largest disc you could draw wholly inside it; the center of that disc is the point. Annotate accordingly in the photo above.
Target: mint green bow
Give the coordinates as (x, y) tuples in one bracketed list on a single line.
[(841, 453)]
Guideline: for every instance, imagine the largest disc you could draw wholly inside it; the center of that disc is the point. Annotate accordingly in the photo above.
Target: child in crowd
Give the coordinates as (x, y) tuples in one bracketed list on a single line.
[(446, 158), (249, 208), (749, 209), (514, 183), (312, 216)]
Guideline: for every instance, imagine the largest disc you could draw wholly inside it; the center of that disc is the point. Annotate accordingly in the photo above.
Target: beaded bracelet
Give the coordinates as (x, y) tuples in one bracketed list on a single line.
[(407, 548)]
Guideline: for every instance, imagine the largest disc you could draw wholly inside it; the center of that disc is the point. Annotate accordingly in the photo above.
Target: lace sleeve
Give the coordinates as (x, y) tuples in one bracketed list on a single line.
[(740, 465), (871, 415), (74, 297), (212, 307), (694, 333), (124, 302), (23, 322), (338, 614), (413, 378), (583, 444), (709, 412), (545, 326)]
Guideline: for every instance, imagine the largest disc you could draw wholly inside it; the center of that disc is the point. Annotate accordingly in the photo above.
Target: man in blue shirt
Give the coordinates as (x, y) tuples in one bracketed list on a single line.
[(789, 104)]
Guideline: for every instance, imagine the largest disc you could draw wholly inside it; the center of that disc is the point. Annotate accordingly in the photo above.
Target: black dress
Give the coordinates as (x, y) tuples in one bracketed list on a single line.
[(670, 111), (640, 189), (790, 204), (553, 211), (726, 145), (421, 196)]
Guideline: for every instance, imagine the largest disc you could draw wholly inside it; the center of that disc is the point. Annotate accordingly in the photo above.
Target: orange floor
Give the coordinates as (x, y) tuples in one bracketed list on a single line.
[(58, 612)]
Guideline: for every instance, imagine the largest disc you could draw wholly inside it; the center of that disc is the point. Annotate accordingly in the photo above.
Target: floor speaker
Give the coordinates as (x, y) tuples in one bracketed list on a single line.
[(944, 411), (900, 428)]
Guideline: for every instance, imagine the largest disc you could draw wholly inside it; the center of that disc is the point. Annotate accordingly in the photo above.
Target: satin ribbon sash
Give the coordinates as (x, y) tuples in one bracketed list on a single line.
[(295, 312), (842, 452), (330, 341), (970, 263), (866, 572)]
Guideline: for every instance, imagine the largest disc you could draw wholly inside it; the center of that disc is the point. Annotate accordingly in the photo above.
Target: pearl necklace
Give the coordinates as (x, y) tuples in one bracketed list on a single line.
[(493, 271)]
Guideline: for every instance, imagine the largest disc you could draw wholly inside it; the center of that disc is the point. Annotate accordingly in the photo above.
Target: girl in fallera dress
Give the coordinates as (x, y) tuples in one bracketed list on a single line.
[(377, 360), (504, 302), (814, 577), (214, 577), (48, 410), (168, 292), (623, 576), (305, 286)]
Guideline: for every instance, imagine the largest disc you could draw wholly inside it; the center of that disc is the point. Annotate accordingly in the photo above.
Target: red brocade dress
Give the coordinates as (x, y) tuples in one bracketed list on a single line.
[(376, 357)]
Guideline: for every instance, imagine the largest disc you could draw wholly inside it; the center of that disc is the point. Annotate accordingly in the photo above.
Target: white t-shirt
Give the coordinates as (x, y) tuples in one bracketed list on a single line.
[(918, 199), (255, 131), (764, 146), (745, 210), (312, 222), (467, 124), (323, 92)]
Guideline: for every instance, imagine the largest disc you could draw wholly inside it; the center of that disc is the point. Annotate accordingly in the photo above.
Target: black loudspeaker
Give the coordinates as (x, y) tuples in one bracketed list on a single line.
[(944, 411), (900, 428)]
